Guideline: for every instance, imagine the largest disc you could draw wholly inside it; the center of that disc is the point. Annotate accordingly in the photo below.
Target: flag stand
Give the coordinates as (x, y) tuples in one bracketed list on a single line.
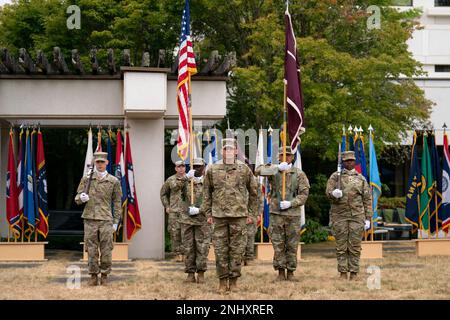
[(371, 249)]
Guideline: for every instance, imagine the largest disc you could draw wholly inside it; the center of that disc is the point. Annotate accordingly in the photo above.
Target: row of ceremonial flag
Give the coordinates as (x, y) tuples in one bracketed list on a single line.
[(123, 169), (353, 140), (428, 192), (26, 186)]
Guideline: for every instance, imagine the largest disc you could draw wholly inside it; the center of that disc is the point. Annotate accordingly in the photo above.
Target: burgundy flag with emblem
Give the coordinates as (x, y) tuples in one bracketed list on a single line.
[(294, 96)]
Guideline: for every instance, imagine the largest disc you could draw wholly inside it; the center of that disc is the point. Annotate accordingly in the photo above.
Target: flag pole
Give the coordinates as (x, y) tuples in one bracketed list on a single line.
[(9, 232), (283, 190), (191, 145)]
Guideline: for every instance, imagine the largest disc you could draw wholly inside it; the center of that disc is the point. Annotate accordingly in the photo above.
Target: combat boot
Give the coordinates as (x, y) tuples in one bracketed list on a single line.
[(343, 276), (290, 276), (353, 276), (233, 284), (190, 277), (94, 280), (248, 262), (201, 277), (104, 279), (223, 283), (281, 275)]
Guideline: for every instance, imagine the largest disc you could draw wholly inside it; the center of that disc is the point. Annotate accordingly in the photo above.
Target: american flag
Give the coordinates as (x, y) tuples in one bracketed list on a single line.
[(186, 68)]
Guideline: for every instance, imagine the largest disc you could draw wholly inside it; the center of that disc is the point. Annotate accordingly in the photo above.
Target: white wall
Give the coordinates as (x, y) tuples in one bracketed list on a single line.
[(60, 98)]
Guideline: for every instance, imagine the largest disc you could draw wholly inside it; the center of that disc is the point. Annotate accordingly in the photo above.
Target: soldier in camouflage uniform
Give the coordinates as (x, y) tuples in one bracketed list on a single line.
[(285, 226), (249, 255), (194, 227), (350, 212), (227, 206), (99, 222), (174, 205)]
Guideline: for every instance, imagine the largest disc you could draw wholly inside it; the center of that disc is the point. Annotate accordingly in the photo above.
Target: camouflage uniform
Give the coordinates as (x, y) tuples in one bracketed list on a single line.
[(347, 216), (99, 220), (171, 198), (195, 231), (251, 228), (285, 226), (226, 200)]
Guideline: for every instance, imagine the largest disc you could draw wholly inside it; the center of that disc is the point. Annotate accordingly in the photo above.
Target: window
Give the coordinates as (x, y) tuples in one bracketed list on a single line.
[(442, 68), (402, 3), (442, 3)]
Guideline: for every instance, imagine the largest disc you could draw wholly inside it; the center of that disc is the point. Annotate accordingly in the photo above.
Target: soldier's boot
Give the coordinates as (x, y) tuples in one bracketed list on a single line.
[(353, 276), (281, 275), (201, 277), (291, 277), (190, 277), (223, 283), (233, 284), (104, 279), (94, 280), (343, 276), (248, 262)]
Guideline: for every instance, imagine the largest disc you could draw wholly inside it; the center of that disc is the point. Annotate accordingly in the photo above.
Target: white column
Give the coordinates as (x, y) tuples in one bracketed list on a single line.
[(147, 147)]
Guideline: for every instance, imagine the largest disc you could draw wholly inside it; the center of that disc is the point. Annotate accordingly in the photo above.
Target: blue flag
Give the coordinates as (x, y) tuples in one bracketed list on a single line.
[(344, 143), (436, 200), (361, 165), (109, 167), (351, 143), (29, 203), (375, 181), (412, 211)]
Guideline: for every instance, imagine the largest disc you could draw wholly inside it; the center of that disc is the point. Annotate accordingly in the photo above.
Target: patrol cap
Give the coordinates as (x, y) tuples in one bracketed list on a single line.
[(288, 151), (179, 163), (348, 155), (199, 162), (100, 156), (229, 142)]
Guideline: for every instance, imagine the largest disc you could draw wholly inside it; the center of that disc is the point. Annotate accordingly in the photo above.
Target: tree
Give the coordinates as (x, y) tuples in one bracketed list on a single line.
[(350, 75)]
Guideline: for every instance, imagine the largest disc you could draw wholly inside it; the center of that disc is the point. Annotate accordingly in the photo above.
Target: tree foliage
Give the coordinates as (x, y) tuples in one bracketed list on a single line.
[(350, 74)]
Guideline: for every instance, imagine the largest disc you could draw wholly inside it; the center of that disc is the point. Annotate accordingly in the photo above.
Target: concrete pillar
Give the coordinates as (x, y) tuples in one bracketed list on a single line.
[(147, 147)]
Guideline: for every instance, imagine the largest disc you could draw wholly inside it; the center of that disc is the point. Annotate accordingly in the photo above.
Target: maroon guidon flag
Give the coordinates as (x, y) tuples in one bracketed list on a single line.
[(294, 96)]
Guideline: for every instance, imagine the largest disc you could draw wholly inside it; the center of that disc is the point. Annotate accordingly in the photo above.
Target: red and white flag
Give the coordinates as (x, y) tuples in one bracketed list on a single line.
[(186, 68), (133, 215), (12, 194)]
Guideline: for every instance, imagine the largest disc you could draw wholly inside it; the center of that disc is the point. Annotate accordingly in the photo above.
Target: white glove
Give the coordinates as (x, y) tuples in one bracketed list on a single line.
[(285, 205), (284, 166), (367, 225), (115, 227), (84, 197), (191, 174), (337, 193), (193, 211)]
